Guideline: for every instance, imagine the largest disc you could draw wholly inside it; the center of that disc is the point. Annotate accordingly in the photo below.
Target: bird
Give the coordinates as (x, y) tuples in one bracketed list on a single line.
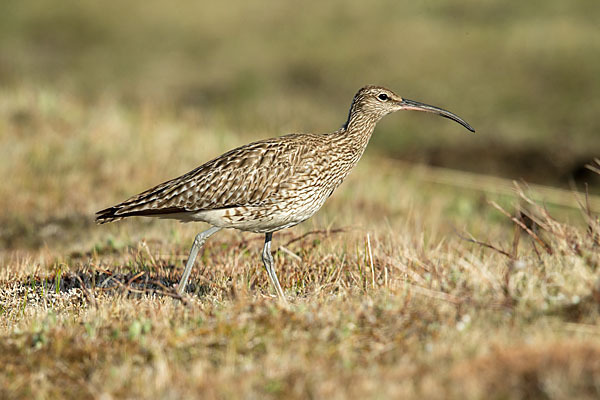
[(270, 184)]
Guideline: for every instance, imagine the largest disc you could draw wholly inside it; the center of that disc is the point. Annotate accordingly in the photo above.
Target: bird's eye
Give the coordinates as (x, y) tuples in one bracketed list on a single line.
[(383, 97)]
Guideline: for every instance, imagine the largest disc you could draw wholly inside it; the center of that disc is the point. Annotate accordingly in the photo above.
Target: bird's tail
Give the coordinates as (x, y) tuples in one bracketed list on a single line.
[(121, 211), (146, 204), (108, 215)]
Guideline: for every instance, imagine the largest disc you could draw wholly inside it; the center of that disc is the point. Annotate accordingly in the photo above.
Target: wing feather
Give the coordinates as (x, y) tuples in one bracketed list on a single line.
[(251, 175)]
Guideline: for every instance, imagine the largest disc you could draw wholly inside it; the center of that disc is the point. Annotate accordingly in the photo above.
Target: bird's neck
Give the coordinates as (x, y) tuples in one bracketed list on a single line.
[(347, 146), (357, 131)]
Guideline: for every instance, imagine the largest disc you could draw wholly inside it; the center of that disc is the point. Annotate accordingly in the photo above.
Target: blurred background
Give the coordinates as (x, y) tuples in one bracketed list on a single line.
[(101, 99)]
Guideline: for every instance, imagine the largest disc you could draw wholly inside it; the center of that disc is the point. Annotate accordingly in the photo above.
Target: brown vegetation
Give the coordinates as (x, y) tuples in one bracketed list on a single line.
[(398, 287)]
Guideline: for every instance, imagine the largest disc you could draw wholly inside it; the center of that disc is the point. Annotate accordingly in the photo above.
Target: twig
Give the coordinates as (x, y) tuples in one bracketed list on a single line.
[(489, 246), (133, 278), (522, 225), (125, 287), (173, 294), (537, 253), (315, 232)]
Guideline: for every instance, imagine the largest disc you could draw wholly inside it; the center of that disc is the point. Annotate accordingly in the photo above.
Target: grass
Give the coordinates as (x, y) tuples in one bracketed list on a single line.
[(411, 282), (400, 287)]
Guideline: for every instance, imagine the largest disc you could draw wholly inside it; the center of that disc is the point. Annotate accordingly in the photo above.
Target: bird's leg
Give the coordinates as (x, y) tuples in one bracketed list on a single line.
[(267, 258), (198, 242)]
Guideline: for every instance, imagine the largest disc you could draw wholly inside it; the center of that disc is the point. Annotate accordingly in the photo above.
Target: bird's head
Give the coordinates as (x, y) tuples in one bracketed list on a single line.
[(374, 102)]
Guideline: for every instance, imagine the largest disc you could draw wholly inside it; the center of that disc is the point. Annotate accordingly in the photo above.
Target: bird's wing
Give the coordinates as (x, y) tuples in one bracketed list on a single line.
[(251, 175)]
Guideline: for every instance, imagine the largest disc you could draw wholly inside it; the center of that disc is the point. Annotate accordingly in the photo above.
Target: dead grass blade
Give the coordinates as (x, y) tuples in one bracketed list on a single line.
[(471, 239), (326, 232), (523, 226)]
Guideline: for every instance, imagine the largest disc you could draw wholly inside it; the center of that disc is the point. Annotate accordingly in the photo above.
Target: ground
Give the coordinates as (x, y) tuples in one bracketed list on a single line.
[(411, 282)]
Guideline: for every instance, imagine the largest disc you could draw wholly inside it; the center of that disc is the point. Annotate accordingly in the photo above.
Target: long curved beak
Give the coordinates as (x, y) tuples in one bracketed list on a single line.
[(406, 104)]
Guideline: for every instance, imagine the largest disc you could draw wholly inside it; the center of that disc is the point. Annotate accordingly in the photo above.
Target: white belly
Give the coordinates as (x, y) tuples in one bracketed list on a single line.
[(260, 219), (250, 219)]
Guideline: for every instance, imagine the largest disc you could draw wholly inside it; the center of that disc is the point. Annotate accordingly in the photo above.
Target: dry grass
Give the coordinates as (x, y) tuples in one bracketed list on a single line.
[(412, 282), (390, 294)]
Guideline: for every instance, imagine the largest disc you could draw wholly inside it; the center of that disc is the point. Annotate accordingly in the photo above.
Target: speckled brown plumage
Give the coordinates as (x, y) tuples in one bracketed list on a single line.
[(274, 183)]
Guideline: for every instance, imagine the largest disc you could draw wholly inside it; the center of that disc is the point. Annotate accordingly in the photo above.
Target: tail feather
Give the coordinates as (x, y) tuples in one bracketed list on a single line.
[(120, 211), (142, 204)]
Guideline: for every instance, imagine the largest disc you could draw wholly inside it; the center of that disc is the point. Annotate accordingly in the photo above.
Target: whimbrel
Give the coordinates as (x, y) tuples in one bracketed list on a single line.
[(271, 184)]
